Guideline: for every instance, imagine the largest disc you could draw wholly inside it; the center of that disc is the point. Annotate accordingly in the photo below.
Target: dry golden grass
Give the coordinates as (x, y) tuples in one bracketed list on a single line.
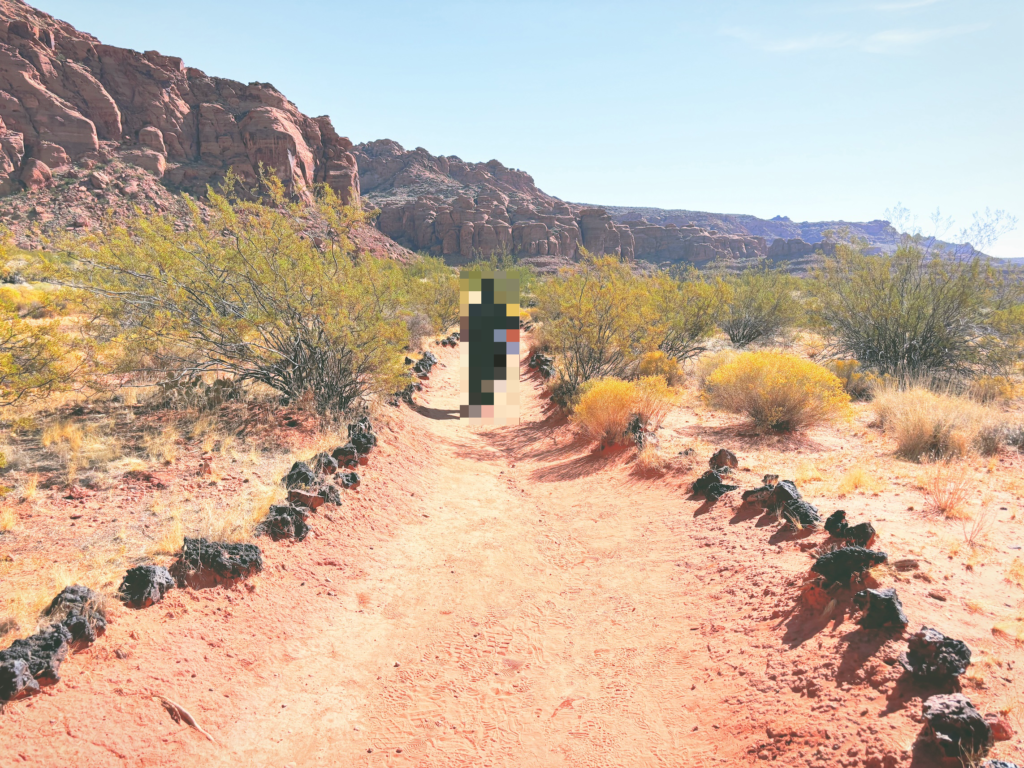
[(1015, 573), (79, 447), (807, 472), (709, 363), (927, 424), (650, 459), (30, 487), (857, 478), (1011, 627), (947, 489), (8, 520), (975, 606), (162, 446), (33, 579), (977, 529)]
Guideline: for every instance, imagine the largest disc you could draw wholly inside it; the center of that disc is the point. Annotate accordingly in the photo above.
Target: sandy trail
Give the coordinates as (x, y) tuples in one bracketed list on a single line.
[(508, 597), (545, 614)]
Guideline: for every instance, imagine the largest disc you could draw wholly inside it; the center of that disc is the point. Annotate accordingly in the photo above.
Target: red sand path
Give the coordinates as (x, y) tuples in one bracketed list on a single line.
[(491, 597)]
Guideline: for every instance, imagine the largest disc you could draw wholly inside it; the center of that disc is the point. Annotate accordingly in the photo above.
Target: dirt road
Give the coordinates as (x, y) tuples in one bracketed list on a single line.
[(494, 597)]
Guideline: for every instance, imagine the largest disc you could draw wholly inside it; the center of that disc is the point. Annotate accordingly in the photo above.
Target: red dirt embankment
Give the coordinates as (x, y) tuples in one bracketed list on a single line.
[(505, 597)]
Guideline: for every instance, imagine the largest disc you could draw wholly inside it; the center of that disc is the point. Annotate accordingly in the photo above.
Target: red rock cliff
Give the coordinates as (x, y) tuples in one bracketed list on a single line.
[(67, 98)]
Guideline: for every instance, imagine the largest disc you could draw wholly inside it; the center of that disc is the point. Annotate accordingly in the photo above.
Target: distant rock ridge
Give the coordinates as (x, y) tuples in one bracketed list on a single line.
[(461, 211)]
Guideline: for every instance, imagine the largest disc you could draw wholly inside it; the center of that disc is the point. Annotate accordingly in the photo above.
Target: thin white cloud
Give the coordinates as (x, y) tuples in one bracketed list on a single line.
[(902, 5), (901, 39), (787, 45), (885, 41)]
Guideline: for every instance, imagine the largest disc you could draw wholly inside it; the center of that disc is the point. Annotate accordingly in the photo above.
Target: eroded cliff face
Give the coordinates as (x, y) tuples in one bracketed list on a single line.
[(68, 100), (461, 211)]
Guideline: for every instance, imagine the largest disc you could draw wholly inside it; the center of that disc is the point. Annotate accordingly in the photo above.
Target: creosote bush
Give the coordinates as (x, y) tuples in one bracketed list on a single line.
[(659, 364), (920, 311), (763, 305), (938, 425), (601, 319), (778, 391), (243, 292)]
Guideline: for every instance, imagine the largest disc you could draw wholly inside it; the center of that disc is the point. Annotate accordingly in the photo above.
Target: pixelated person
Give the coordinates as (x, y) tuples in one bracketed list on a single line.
[(489, 336)]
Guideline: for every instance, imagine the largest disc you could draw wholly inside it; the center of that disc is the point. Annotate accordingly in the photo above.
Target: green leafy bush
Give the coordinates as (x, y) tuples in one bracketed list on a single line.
[(763, 304), (243, 291)]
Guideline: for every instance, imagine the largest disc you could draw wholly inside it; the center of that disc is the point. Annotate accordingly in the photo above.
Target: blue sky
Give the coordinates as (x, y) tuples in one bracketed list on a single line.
[(837, 109)]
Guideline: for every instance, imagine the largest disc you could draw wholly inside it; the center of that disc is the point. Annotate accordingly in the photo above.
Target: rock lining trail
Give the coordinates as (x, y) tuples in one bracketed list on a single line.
[(494, 596)]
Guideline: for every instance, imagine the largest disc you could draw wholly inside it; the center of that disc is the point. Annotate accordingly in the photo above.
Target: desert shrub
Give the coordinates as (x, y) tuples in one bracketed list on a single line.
[(947, 489), (659, 364), (763, 304), (653, 398), (937, 425), (604, 408), (708, 364), (859, 384), (419, 327), (649, 459), (988, 389), (778, 391), (682, 311), (917, 312), (434, 289), (36, 357), (241, 291), (592, 318)]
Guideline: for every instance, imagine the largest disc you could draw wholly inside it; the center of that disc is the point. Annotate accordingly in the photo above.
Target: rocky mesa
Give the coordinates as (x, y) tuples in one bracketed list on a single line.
[(462, 210)]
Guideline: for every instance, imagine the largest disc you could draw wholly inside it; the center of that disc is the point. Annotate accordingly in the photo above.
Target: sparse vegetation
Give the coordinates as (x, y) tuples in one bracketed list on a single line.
[(917, 312), (762, 306), (778, 391), (244, 292), (937, 425), (948, 488)]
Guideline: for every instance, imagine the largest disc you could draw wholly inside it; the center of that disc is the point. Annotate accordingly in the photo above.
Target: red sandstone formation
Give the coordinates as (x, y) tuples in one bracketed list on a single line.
[(65, 98), (462, 210)]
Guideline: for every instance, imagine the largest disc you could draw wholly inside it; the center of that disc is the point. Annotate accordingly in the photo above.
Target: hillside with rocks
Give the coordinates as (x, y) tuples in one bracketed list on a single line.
[(88, 131), (459, 210)]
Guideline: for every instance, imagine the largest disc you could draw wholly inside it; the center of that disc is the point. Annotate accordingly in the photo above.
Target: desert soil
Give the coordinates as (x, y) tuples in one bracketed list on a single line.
[(508, 596)]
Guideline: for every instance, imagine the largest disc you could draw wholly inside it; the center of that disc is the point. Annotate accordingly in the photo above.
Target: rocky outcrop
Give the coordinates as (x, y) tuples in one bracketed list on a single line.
[(67, 98), (462, 211)]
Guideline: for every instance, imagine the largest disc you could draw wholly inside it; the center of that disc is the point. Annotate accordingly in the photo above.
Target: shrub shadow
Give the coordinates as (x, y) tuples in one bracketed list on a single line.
[(748, 438), (574, 469), (438, 414), (745, 512)]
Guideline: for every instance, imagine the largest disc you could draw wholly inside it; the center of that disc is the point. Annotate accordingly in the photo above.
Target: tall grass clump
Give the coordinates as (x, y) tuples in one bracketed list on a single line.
[(937, 425), (606, 407), (778, 391), (948, 487)]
